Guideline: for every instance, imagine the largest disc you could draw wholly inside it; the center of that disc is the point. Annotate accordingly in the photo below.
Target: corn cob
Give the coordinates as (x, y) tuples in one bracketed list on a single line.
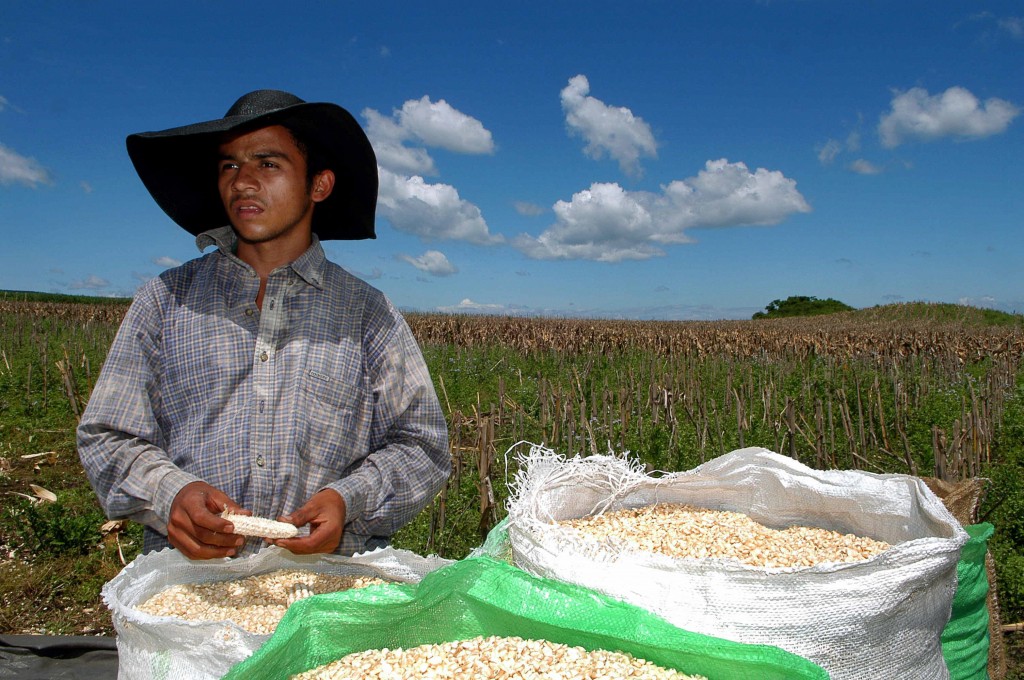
[(259, 526)]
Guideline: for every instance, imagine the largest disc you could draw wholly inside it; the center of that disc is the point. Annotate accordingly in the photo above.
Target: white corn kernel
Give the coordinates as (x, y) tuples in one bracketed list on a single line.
[(492, 657), (684, 531), (260, 526), (255, 603)]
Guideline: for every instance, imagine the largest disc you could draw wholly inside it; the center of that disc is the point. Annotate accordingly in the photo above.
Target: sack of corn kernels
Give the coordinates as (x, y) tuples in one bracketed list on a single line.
[(481, 618), (853, 570), (178, 618)]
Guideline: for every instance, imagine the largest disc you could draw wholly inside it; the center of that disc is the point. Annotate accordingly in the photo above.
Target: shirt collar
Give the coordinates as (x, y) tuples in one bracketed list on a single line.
[(309, 266)]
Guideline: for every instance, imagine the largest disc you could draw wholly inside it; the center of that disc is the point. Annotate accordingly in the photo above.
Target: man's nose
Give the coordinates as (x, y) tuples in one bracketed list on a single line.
[(245, 178)]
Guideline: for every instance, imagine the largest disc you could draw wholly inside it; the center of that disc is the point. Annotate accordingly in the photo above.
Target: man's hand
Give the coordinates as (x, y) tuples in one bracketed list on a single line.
[(195, 526), (325, 514)]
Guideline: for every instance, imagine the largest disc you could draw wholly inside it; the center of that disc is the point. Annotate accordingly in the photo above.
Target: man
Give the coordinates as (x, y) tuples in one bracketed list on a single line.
[(261, 377)]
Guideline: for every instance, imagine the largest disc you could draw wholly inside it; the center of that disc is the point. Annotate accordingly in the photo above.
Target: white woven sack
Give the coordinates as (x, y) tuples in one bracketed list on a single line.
[(879, 618), (166, 648)]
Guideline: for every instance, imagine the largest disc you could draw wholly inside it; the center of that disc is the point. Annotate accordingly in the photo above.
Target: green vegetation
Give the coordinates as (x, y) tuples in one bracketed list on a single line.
[(941, 312), (801, 305), (902, 388)]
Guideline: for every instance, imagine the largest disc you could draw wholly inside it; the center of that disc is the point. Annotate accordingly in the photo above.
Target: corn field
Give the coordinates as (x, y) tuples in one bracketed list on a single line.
[(901, 389)]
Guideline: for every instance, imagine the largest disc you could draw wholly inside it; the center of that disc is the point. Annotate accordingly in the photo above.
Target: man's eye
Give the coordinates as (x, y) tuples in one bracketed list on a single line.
[(228, 166), (269, 164)]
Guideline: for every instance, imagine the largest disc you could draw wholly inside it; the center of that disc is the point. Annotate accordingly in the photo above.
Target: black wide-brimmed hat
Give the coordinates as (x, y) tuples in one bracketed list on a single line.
[(178, 165)]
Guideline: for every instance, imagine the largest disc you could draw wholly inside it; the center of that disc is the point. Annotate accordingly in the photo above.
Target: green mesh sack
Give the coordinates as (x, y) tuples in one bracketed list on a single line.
[(965, 639), (483, 596)]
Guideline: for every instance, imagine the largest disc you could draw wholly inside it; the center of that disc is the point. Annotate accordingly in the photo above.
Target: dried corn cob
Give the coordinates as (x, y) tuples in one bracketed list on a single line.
[(259, 526), (492, 657)]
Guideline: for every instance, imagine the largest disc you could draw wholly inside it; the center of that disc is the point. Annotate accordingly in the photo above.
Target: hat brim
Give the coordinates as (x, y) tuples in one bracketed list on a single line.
[(178, 167)]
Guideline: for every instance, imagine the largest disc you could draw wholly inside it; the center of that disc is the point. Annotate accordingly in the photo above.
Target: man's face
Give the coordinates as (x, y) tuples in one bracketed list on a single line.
[(262, 183)]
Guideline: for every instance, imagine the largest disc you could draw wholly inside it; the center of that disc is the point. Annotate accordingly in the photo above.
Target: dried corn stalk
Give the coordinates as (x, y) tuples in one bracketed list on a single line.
[(684, 531), (256, 603), (492, 657)]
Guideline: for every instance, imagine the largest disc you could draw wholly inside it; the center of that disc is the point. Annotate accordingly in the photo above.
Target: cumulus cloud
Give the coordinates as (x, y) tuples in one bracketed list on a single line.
[(433, 262), (165, 261), (438, 124), (431, 211), (423, 122), (18, 169), (606, 223), (607, 129), (387, 138), (3, 103), (865, 167), (91, 282), (412, 205), (916, 115)]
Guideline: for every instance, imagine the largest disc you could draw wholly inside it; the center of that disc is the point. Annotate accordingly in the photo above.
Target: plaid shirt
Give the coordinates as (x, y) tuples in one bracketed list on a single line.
[(324, 388)]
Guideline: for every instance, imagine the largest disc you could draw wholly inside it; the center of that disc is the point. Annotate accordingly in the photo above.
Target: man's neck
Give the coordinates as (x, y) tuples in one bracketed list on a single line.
[(266, 257)]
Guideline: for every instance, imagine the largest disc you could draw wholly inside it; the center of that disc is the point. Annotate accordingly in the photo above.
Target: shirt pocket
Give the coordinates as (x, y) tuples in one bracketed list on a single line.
[(329, 408)]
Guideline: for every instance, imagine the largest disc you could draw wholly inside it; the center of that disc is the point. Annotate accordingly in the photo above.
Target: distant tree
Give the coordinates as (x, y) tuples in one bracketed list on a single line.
[(801, 305)]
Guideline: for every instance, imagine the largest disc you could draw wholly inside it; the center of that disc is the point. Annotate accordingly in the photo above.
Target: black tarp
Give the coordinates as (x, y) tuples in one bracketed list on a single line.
[(67, 657)]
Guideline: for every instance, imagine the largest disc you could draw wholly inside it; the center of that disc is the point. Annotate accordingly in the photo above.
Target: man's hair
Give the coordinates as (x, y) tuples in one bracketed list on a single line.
[(316, 162)]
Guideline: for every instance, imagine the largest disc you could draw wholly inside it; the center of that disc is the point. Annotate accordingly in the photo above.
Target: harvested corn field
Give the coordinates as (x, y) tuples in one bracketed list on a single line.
[(683, 531), (511, 658), (256, 603)]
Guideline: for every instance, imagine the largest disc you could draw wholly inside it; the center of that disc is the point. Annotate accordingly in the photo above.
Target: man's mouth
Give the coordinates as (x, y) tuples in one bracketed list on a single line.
[(246, 208)]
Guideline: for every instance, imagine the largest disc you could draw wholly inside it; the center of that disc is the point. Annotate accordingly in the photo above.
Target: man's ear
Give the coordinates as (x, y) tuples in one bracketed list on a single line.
[(323, 185)]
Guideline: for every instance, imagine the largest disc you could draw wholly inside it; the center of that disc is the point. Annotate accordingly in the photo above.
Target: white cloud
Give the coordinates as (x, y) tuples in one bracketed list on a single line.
[(916, 115), (828, 151), (86, 187), (15, 168), (467, 306), (91, 282), (610, 129), (865, 167), (438, 124), (609, 224), (431, 211), (529, 209), (3, 103), (421, 121), (165, 261), (387, 137), (433, 262)]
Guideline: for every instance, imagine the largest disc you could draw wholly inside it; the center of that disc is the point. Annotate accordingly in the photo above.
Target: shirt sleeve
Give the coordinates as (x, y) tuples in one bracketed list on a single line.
[(120, 442), (409, 461)]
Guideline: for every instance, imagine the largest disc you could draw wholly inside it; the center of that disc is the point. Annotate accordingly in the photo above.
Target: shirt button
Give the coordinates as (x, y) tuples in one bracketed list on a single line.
[(264, 356), (259, 460), (248, 311)]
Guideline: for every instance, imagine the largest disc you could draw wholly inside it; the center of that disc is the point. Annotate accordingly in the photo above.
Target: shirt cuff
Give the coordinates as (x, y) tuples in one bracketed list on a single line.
[(166, 489), (354, 489)]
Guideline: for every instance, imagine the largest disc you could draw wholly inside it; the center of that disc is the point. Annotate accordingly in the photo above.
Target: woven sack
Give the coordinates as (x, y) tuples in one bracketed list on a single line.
[(878, 618), (167, 648)]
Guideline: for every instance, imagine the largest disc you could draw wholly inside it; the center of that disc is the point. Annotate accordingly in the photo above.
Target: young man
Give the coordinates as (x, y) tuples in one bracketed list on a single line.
[(261, 377)]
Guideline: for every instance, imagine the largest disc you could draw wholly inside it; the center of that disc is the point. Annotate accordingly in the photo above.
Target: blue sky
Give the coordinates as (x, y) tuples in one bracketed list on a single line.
[(646, 160)]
